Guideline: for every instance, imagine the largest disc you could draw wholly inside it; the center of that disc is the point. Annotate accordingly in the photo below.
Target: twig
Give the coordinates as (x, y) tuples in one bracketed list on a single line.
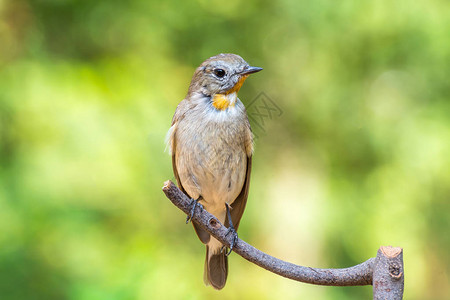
[(385, 271)]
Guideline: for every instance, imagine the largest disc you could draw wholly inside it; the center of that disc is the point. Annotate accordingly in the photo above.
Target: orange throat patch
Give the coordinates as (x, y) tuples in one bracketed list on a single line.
[(223, 101)]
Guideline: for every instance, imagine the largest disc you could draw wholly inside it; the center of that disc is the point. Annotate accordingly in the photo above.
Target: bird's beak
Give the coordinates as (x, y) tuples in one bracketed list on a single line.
[(250, 70)]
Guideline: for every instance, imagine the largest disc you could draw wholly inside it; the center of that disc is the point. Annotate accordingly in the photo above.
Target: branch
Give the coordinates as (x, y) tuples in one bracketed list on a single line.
[(386, 270), (388, 277)]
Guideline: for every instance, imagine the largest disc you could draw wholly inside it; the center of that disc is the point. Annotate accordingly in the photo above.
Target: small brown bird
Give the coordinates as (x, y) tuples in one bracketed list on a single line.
[(211, 144)]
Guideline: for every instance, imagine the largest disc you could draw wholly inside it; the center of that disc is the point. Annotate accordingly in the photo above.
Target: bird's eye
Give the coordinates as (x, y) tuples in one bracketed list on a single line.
[(219, 72)]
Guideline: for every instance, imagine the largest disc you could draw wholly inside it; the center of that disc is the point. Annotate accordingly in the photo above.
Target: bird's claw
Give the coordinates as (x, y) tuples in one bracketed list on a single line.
[(194, 204), (233, 240), (231, 230)]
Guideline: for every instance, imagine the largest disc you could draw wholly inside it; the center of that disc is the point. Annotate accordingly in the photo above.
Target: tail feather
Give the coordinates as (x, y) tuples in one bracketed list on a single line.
[(216, 268)]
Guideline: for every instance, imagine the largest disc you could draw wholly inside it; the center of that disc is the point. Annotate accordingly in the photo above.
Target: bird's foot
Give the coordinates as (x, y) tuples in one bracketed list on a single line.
[(231, 230), (234, 239), (194, 204)]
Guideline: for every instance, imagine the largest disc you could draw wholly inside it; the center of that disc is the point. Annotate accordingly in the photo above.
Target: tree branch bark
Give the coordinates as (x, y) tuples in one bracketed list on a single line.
[(385, 271)]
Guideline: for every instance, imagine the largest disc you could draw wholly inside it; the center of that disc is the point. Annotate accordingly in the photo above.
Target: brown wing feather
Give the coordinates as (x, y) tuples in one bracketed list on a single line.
[(202, 234), (238, 205)]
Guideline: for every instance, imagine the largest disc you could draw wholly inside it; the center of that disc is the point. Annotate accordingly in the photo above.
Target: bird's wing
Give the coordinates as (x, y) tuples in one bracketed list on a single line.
[(238, 205), (172, 144)]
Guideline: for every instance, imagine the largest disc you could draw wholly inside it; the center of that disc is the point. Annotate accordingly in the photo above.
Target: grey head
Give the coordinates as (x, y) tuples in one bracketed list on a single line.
[(221, 74)]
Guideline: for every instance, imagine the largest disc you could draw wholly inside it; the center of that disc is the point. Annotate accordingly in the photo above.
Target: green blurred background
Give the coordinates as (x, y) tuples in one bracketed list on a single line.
[(359, 158)]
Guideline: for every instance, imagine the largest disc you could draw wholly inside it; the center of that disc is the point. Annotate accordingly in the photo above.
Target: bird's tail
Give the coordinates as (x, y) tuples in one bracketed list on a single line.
[(216, 267)]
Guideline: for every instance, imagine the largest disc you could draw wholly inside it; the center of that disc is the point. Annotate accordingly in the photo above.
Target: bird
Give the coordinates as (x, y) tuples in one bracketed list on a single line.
[(211, 144)]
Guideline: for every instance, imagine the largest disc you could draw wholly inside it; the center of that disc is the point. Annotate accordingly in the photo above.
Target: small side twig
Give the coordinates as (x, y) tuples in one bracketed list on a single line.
[(385, 271)]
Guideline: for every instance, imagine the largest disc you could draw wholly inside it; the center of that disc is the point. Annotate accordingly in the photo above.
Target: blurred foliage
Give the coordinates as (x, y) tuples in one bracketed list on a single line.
[(359, 158)]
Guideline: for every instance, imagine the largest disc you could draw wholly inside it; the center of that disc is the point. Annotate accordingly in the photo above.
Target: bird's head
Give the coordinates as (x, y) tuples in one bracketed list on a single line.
[(220, 77)]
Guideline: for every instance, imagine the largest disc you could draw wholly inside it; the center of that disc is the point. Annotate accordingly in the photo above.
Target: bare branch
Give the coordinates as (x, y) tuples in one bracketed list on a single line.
[(388, 267), (388, 275)]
